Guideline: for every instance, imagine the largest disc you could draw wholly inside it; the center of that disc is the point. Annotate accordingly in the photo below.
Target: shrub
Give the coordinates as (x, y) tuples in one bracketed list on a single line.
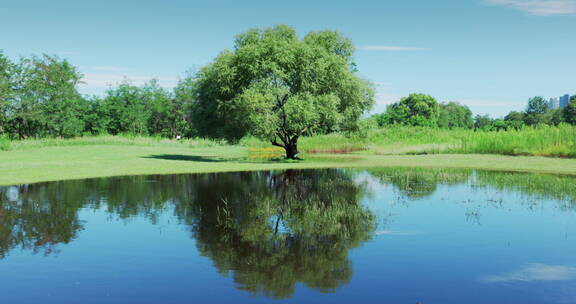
[(5, 143)]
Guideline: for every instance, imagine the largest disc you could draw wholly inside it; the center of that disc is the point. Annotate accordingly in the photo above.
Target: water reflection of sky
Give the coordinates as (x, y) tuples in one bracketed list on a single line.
[(534, 272), (456, 243), (452, 243)]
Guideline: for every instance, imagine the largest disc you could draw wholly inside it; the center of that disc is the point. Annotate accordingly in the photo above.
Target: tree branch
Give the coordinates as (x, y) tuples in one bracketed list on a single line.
[(275, 143)]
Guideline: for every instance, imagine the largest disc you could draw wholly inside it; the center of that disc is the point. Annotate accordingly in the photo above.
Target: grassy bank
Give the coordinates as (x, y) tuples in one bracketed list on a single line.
[(54, 159), (66, 161), (538, 141)]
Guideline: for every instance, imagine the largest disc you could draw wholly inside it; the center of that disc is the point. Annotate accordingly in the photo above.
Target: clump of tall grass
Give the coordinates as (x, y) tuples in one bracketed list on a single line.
[(5, 144), (397, 134), (121, 139), (543, 140), (556, 141), (333, 143)]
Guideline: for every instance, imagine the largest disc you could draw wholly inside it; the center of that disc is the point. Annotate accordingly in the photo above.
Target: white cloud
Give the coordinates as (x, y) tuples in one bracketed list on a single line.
[(385, 98), (387, 48), (104, 80), (534, 272), (540, 7), (384, 95)]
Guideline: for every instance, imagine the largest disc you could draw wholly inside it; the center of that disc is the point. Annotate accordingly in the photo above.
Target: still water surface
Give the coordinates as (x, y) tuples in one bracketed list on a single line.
[(311, 236)]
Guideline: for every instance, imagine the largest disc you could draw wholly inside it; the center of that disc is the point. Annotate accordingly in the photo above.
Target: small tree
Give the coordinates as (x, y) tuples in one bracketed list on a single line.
[(554, 117), (278, 87), (483, 122), (514, 119), (455, 115), (537, 107)]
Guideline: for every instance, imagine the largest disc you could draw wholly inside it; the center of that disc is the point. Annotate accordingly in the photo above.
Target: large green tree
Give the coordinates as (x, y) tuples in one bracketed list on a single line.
[(127, 109), (6, 90), (46, 101), (414, 110), (278, 87)]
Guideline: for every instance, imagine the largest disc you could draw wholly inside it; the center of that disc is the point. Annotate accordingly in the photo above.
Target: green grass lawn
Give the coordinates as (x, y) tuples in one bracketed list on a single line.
[(48, 163)]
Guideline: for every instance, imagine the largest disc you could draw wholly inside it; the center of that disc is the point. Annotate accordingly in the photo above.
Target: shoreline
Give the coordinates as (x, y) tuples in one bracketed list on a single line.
[(97, 161)]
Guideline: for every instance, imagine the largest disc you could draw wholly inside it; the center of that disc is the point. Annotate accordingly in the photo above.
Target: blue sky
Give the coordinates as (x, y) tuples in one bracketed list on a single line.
[(491, 55)]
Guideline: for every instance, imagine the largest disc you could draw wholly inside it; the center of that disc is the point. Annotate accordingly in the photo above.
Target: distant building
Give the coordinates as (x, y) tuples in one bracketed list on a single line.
[(554, 103), (559, 102), (564, 100)]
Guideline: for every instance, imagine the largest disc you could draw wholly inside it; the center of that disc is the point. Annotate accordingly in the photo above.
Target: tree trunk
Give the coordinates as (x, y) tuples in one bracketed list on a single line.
[(291, 147), (291, 150)]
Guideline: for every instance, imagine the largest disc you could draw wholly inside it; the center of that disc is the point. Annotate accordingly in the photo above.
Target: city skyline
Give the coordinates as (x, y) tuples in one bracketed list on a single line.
[(559, 102)]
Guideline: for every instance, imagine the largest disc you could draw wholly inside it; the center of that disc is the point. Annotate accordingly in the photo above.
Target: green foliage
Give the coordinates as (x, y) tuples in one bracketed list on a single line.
[(147, 109), (540, 140), (554, 117), (536, 110), (6, 90), (5, 144), (127, 109), (515, 119), (277, 87), (570, 112), (414, 110), (39, 98), (483, 122), (454, 115), (116, 140)]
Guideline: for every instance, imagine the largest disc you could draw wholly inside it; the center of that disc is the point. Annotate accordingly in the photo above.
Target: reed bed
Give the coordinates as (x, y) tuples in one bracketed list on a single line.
[(553, 141), (113, 140), (538, 141)]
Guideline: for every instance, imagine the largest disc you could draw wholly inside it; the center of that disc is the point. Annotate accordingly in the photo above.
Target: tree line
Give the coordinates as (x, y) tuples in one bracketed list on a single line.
[(424, 110), (39, 98), (272, 85)]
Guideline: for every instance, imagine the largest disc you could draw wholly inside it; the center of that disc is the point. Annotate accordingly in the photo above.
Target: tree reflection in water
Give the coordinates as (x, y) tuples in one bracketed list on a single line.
[(274, 230), (269, 230)]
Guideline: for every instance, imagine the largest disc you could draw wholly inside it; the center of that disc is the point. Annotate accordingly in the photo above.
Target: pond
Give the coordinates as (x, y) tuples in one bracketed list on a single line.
[(305, 236)]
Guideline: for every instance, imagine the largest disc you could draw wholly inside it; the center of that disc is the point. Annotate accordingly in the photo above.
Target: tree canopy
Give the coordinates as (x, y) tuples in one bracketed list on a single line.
[(414, 110), (570, 111), (537, 107), (39, 98), (278, 87), (455, 115)]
